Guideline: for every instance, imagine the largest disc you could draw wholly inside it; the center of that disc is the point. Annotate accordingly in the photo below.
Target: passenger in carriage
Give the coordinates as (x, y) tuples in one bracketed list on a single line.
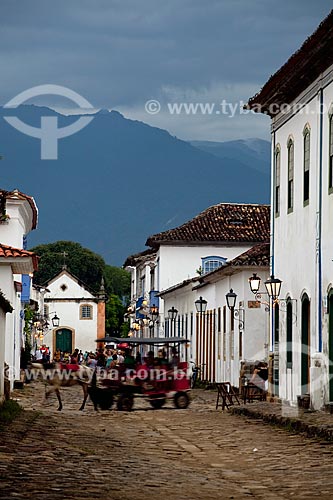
[(149, 360), (174, 358), (138, 360), (161, 359), (129, 360)]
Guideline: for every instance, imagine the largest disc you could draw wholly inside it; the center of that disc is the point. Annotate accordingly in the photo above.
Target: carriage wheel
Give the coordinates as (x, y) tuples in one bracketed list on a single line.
[(157, 403), (181, 400), (125, 402), (107, 401)]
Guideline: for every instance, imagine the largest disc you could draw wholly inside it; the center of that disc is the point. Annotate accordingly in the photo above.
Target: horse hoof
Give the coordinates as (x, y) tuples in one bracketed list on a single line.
[(59, 409)]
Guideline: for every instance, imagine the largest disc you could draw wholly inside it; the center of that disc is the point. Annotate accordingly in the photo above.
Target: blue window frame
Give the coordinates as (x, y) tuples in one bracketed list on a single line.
[(211, 263)]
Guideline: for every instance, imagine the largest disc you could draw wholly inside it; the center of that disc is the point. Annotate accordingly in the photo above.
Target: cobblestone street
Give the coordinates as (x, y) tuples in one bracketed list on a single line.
[(198, 453)]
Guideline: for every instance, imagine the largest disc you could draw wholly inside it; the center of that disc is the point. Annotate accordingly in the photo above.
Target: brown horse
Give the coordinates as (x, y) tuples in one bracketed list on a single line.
[(61, 375)]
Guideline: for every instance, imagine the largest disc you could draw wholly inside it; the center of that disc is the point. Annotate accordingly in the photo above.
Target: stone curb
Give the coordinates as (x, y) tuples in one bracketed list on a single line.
[(289, 423)]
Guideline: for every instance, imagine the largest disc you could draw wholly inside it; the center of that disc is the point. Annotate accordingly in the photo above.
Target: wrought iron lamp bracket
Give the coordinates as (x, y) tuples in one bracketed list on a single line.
[(258, 297), (239, 315)]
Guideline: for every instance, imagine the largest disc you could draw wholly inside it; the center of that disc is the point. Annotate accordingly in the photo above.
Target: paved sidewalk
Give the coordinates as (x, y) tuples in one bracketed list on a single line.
[(312, 423)]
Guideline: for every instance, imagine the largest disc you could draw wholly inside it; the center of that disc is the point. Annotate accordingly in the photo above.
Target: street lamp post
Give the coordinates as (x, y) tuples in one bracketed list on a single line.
[(173, 312), (238, 314), (55, 321), (154, 312), (201, 307), (273, 289), (41, 325)]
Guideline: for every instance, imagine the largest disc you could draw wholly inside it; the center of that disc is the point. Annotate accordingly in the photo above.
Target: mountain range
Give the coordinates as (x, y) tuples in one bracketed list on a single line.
[(118, 181)]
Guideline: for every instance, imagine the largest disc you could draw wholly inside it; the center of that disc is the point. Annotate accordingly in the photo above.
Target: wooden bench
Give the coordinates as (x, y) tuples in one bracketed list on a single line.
[(226, 395)]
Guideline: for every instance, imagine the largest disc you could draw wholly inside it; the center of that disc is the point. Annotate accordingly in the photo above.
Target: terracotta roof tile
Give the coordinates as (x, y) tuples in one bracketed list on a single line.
[(222, 223), (137, 258), (11, 252), (301, 69), (256, 256), (259, 255)]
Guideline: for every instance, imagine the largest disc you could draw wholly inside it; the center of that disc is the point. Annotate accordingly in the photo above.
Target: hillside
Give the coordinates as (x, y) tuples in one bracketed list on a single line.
[(117, 181)]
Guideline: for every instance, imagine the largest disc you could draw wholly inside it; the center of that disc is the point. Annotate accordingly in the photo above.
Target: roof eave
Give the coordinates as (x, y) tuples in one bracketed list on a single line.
[(303, 67)]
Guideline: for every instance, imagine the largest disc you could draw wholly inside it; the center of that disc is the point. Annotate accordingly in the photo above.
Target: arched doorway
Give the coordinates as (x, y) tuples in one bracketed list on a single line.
[(330, 342), (63, 340), (305, 353)]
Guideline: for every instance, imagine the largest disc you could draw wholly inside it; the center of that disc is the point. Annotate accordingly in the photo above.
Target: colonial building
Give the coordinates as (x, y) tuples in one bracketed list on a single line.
[(222, 339), (183, 256), (81, 314), (18, 216), (299, 99)]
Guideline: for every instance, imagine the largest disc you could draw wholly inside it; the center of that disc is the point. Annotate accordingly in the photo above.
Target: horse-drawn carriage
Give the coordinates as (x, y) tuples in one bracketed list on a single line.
[(155, 382)]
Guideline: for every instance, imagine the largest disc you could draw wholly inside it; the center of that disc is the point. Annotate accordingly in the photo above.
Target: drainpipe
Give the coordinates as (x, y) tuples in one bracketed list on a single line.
[(320, 339), (272, 266)]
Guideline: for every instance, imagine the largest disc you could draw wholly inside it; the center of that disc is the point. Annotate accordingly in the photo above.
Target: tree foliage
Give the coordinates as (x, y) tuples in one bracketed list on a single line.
[(114, 312), (89, 268), (86, 265), (117, 281)]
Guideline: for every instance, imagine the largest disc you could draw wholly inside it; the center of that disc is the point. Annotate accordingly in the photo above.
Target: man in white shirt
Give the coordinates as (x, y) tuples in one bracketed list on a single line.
[(38, 355)]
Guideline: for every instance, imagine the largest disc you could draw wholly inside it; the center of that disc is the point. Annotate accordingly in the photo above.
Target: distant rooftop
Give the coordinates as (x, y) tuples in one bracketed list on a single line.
[(222, 223), (137, 258)]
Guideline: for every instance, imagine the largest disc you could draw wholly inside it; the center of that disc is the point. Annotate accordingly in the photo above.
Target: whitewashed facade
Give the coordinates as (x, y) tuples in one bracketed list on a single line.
[(214, 238), (302, 218), (169, 266), (18, 218), (220, 340), (81, 314)]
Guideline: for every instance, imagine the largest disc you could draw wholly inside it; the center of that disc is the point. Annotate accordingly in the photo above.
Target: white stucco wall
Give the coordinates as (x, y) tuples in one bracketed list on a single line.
[(296, 236), (66, 303), (2, 351), (11, 234), (255, 336), (177, 263), (327, 252), (7, 287), (18, 225)]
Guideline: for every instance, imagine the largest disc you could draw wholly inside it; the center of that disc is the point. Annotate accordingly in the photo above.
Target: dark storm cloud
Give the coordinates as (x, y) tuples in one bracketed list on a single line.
[(119, 53)]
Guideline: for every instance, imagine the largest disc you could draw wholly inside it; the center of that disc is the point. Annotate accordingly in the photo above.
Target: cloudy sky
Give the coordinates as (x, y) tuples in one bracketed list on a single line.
[(119, 54)]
